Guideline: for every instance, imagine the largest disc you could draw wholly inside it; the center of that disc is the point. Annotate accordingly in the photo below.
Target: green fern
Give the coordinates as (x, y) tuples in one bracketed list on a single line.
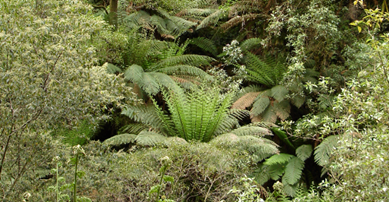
[(293, 170), (121, 139), (278, 159), (249, 44), (324, 149), (304, 152), (149, 138), (205, 44)]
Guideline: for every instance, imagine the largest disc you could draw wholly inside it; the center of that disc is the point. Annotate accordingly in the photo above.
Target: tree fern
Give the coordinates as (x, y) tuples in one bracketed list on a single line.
[(211, 19)]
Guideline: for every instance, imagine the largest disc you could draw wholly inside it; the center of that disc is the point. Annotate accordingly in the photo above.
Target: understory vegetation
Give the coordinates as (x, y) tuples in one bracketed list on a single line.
[(194, 100)]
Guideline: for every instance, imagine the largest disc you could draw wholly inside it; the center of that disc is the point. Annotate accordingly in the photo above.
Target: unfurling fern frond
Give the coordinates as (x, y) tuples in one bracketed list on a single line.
[(324, 149), (121, 139)]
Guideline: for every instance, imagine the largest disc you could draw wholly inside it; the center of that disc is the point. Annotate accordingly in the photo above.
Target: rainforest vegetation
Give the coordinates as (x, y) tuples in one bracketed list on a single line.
[(194, 100)]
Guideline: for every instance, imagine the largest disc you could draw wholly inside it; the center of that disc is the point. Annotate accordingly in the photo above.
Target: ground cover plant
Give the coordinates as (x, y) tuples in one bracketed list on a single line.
[(203, 100)]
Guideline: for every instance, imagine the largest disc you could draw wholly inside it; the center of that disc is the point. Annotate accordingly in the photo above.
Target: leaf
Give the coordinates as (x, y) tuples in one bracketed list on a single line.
[(260, 105), (279, 92), (154, 189), (304, 151), (359, 29), (168, 178), (294, 170), (245, 101), (147, 138), (120, 139), (324, 149), (278, 159), (282, 135)]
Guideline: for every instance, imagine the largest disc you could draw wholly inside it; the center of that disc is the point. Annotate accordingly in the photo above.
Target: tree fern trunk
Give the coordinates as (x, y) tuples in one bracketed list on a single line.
[(113, 12)]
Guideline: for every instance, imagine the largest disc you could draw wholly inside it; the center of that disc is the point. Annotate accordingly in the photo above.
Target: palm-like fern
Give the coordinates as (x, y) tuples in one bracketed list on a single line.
[(200, 115), (287, 166), (267, 105)]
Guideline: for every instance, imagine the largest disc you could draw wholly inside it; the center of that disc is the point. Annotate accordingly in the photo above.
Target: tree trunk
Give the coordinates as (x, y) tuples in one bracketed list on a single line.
[(113, 12)]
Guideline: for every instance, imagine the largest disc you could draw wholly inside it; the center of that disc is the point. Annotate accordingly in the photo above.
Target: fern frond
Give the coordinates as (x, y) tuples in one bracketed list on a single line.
[(144, 114), (276, 171), (205, 44), (324, 149), (111, 69), (251, 130), (294, 170), (188, 59), (260, 105), (281, 109), (185, 70), (279, 92), (174, 141), (249, 44), (259, 70), (245, 101), (121, 139), (211, 19), (149, 138), (269, 115), (196, 12), (133, 128), (298, 101), (278, 159), (304, 151), (283, 137), (260, 148)]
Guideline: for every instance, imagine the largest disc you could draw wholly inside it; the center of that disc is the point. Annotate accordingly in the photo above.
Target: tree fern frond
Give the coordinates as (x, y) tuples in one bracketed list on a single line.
[(121, 139), (211, 19), (245, 101), (279, 92), (324, 149), (179, 25), (262, 174), (149, 138), (205, 44), (144, 114), (111, 69), (298, 100), (132, 128), (276, 171), (304, 151), (260, 70), (251, 130), (184, 70), (188, 59), (278, 159), (196, 12), (269, 115), (260, 105), (260, 148), (281, 109), (293, 170), (249, 44)]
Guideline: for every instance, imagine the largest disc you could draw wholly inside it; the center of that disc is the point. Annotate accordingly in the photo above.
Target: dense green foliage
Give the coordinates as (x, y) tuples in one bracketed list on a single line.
[(203, 100)]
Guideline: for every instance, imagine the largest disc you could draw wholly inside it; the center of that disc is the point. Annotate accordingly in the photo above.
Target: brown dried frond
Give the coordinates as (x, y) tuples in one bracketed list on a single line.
[(245, 101)]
